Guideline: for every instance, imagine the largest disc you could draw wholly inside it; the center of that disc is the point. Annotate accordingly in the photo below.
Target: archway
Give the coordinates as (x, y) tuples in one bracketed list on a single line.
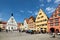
[(41, 30), (57, 30), (45, 30), (52, 30)]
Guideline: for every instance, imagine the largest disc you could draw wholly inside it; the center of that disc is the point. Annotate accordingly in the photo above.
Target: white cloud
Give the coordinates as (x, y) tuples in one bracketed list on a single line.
[(57, 1), (30, 11), (21, 11), (42, 5), (48, 0), (0, 19), (36, 12), (50, 9), (41, 0), (44, 0)]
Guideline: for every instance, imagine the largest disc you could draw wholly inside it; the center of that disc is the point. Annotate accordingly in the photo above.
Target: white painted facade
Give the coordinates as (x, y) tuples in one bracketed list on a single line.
[(11, 24), (25, 25)]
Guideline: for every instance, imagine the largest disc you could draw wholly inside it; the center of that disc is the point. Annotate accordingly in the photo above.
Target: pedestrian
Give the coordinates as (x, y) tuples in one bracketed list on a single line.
[(53, 35), (6, 30), (19, 30)]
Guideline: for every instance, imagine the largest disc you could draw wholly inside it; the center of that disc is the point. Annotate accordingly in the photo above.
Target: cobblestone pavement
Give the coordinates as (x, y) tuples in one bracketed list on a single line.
[(24, 36)]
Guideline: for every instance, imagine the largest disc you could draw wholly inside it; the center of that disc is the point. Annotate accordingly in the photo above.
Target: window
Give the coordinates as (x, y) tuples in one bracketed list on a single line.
[(59, 10), (56, 24), (42, 16), (51, 24), (40, 13), (38, 18), (37, 21), (11, 21), (45, 19), (42, 24), (11, 27), (41, 28), (59, 14), (45, 28), (37, 25), (51, 20), (56, 19), (11, 18), (45, 24), (0, 22), (55, 15), (52, 16)]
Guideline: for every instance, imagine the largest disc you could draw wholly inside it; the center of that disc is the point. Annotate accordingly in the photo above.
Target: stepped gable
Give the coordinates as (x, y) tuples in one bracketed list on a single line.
[(56, 12)]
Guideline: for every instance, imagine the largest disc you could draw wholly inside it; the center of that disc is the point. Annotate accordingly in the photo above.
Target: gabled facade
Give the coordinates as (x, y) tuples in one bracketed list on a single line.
[(26, 24), (54, 21), (41, 21), (11, 24), (31, 23)]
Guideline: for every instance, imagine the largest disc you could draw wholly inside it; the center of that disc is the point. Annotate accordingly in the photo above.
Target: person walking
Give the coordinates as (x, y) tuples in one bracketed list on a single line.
[(54, 35)]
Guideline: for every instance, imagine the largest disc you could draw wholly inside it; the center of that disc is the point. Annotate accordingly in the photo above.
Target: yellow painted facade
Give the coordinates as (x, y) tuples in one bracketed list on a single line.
[(41, 21)]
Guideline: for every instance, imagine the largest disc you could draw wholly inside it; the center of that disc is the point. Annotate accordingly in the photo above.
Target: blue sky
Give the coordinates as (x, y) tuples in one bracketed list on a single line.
[(22, 9)]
